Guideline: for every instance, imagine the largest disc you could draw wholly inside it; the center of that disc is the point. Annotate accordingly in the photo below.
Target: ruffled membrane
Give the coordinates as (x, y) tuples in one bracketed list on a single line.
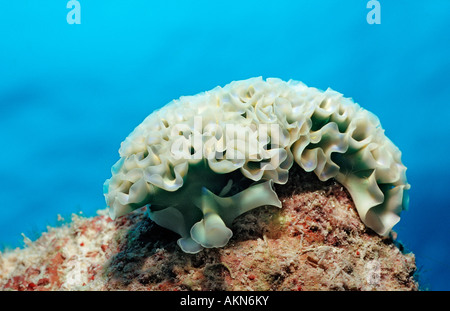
[(183, 157)]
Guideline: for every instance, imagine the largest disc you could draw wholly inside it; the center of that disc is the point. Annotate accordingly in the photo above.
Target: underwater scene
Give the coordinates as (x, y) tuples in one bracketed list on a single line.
[(78, 77)]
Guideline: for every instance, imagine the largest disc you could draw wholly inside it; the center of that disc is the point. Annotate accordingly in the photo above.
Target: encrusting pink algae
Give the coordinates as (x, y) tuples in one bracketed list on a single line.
[(316, 241)]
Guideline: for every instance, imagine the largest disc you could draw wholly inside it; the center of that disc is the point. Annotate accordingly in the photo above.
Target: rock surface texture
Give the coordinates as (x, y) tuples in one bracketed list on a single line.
[(316, 241)]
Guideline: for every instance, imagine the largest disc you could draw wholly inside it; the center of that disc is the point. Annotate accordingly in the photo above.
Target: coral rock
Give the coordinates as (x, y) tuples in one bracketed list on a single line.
[(316, 241)]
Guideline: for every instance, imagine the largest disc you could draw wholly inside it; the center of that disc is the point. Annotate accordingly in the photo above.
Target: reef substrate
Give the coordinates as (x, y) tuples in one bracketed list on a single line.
[(316, 241)]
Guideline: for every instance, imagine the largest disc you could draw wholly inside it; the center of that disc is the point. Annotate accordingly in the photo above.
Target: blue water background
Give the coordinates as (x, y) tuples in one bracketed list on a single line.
[(69, 94)]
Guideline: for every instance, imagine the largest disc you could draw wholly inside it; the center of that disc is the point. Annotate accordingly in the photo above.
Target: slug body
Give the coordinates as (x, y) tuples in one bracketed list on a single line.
[(201, 161)]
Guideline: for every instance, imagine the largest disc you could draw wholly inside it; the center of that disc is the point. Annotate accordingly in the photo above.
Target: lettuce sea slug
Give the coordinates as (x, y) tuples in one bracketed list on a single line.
[(201, 161)]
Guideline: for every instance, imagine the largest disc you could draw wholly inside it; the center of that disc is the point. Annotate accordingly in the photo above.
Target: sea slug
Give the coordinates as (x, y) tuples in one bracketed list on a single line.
[(201, 161)]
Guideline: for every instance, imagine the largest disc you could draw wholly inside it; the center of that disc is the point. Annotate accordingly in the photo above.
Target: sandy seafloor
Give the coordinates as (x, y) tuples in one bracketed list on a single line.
[(69, 94)]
